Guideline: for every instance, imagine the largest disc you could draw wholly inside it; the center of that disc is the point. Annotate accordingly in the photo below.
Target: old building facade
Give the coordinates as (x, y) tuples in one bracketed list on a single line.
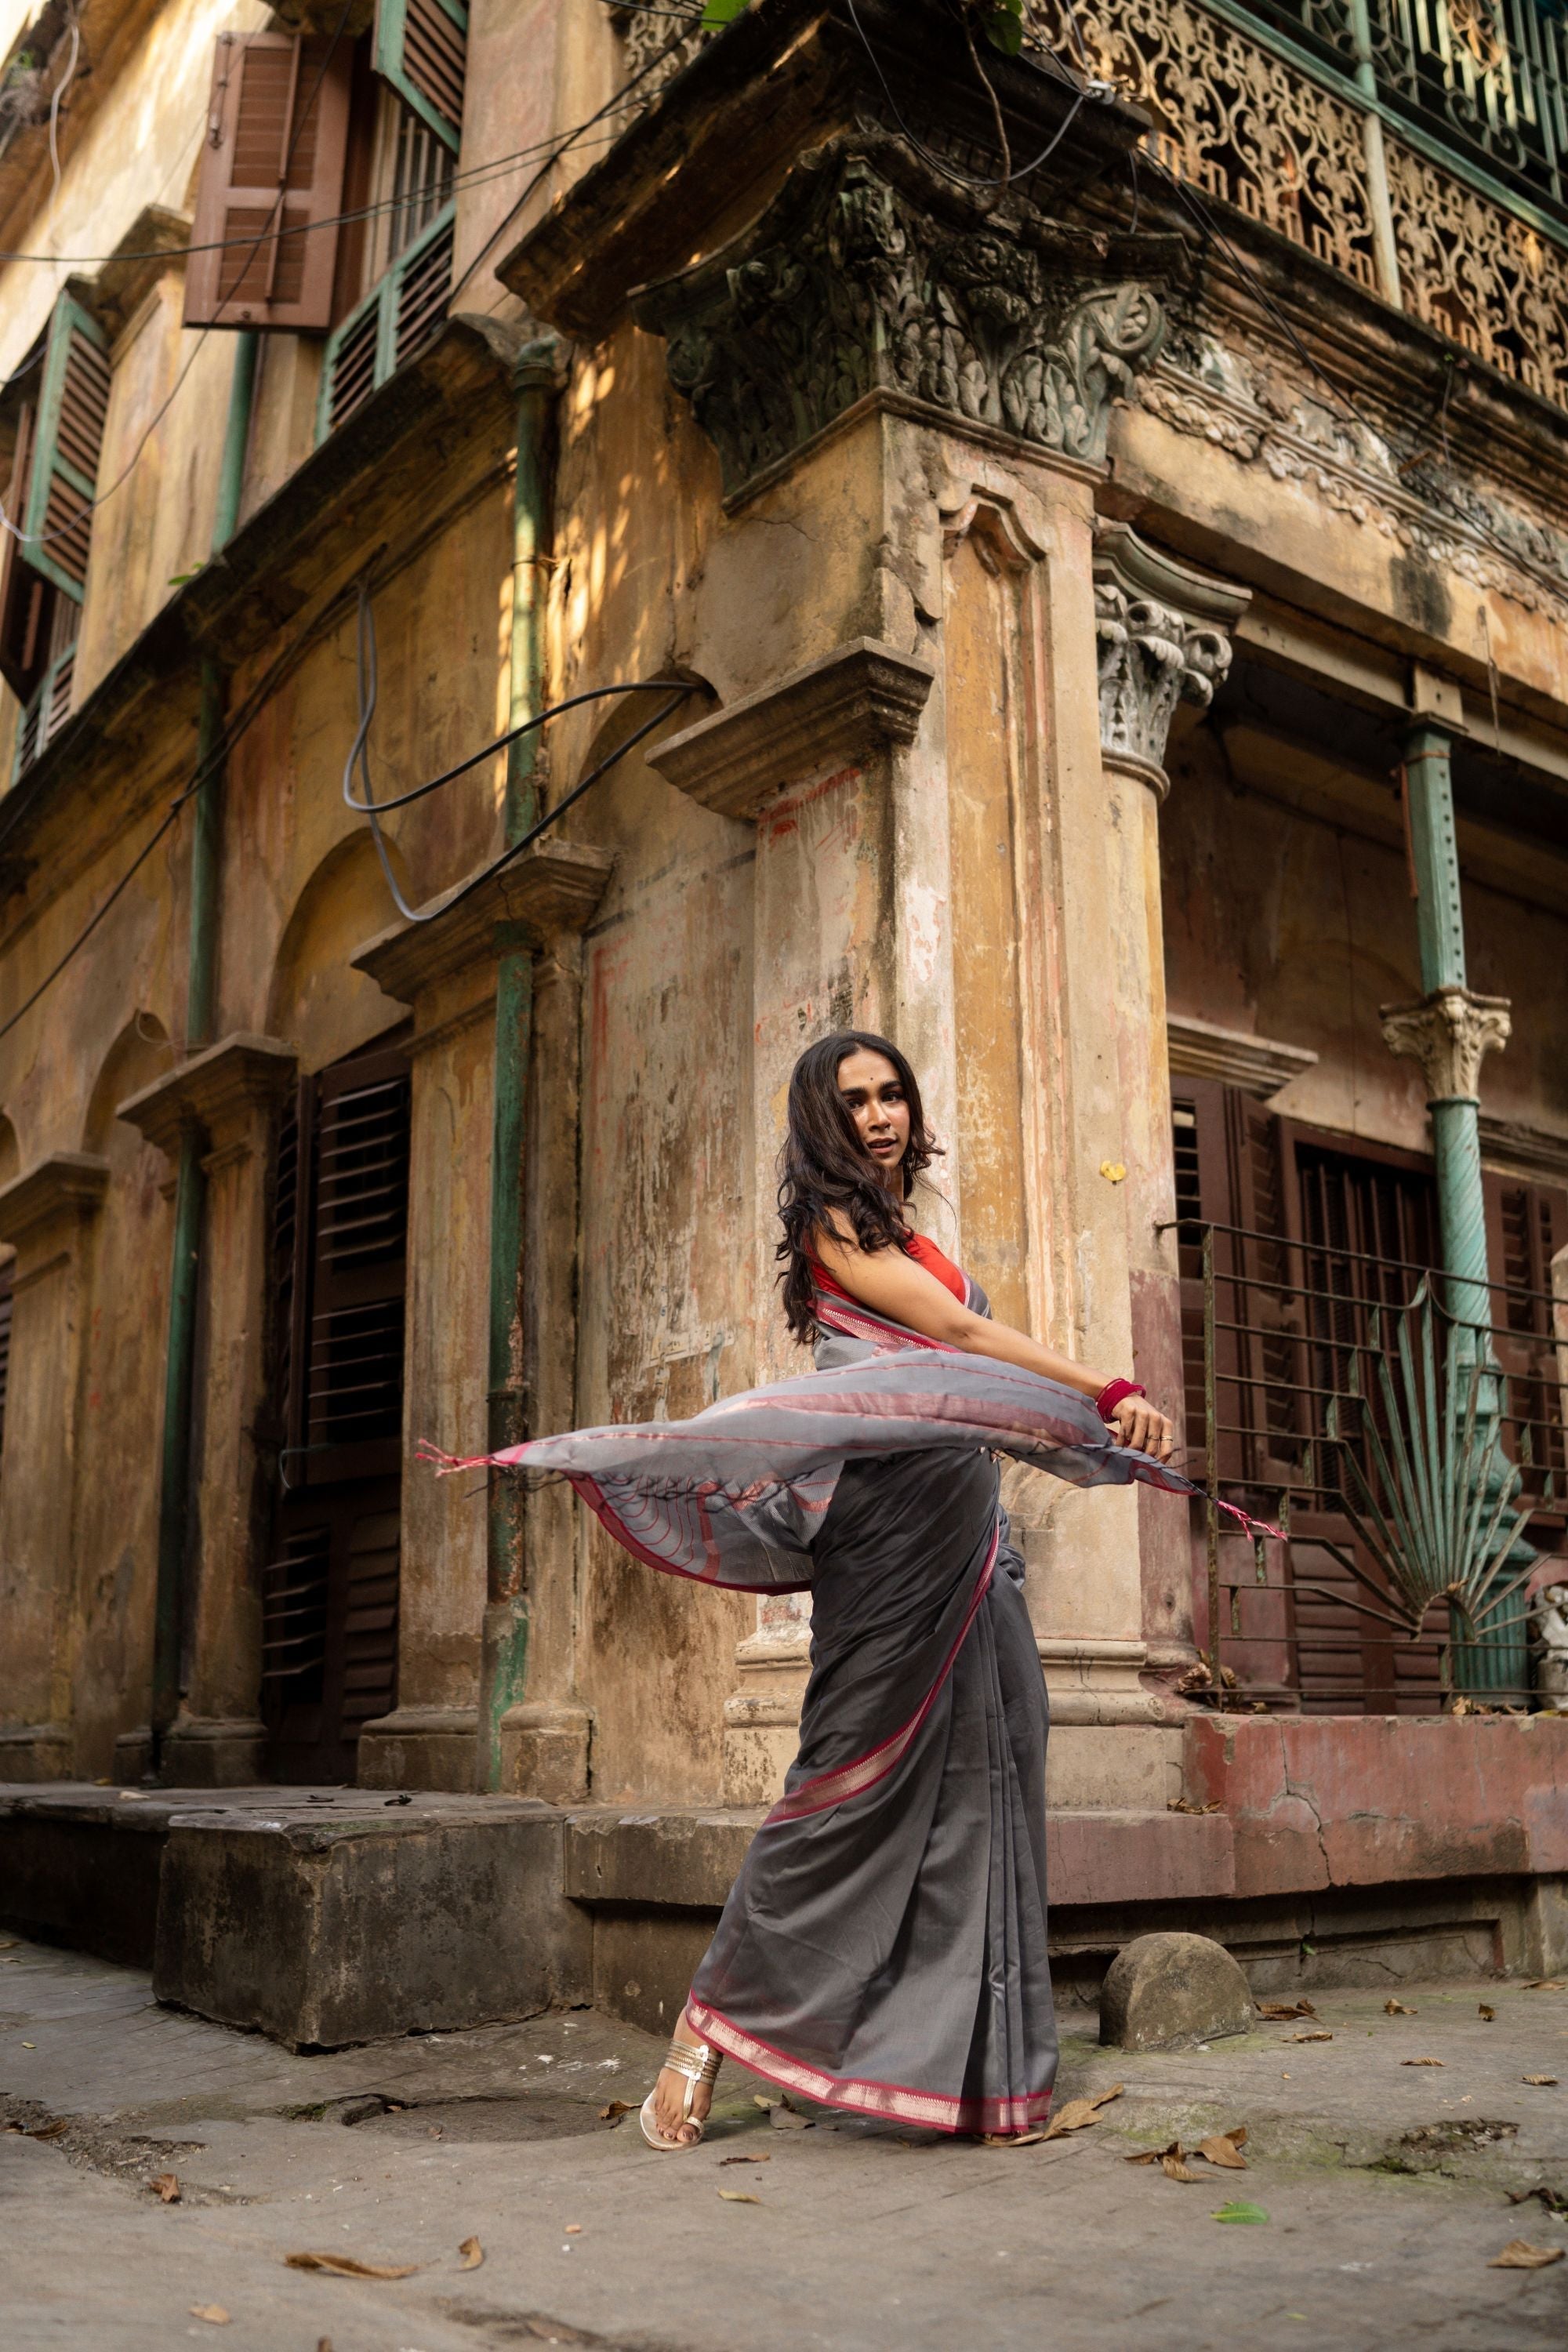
[(1094, 613)]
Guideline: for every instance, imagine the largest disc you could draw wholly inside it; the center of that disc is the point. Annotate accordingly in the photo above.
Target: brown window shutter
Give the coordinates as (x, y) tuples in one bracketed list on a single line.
[(273, 164), (1527, 1224), (22, 590)]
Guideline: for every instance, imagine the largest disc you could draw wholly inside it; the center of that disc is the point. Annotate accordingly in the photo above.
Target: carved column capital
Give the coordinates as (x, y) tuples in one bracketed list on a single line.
[(1163, 637), (871, 276), (1448, 1032)]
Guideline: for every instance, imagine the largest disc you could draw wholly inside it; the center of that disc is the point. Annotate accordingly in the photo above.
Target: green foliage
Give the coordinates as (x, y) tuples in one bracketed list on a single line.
[(1002, 22), (1241, 2210), (724, 12)]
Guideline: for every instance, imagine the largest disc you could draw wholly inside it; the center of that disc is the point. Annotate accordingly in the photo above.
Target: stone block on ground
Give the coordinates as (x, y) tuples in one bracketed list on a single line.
[(1168, 1991)]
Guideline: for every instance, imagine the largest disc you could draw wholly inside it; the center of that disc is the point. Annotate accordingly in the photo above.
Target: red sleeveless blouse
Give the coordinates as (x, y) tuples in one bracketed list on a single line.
[(924, 1252)]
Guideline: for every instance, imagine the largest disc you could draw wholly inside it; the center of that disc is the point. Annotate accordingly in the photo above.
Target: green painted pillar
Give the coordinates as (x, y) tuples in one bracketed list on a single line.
[(505, 1646), (190, 1183), (1448, 1032)]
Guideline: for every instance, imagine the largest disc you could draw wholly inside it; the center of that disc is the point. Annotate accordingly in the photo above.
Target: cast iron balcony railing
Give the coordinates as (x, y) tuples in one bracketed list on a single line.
[(1332, 1394), (1420, 146)]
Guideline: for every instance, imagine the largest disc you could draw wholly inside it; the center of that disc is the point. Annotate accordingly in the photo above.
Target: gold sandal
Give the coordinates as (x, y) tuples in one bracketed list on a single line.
[(698, 2062)]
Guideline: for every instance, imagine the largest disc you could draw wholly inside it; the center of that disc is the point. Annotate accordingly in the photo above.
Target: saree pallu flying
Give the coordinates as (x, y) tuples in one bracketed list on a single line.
[(883, 1948)]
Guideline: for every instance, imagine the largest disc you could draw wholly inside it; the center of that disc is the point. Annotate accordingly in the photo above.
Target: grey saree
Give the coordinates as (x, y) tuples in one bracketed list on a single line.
[(883, 1948)]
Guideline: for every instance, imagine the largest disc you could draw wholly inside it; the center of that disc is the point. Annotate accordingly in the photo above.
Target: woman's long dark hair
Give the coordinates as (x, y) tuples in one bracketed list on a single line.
[(824, 1167)]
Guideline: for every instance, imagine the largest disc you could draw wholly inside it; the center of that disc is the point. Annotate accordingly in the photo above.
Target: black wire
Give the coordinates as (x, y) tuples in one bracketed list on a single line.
[(939, 163), (367, 674)]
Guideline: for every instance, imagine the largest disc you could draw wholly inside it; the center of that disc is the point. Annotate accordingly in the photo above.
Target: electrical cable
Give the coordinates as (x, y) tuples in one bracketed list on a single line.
[(368, 680)]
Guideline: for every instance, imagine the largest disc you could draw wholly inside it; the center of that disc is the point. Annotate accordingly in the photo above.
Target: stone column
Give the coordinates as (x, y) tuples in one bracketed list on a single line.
[(443, 967), (48, 1216), (1162, 635), (228, 1097)]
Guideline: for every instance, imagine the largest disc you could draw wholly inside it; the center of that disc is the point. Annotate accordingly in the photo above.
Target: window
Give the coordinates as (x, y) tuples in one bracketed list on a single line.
[(329, 1584), (327, 191), (58, 422)]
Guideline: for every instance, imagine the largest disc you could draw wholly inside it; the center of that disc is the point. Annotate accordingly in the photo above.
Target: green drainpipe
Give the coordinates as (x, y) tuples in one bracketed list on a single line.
[(190, 1188), (505, 1662), (1496, 1657)]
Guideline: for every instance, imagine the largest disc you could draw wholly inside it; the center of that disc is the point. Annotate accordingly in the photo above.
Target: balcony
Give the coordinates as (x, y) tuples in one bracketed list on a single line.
[(1419, 146)]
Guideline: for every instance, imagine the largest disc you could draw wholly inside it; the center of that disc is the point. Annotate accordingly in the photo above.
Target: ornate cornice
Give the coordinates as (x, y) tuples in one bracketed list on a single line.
[(828, 714), (212, 1092), (1260, 1067), (62, 1188), (870, 273), (1448, 1032), (550, 889), (1162, 631)]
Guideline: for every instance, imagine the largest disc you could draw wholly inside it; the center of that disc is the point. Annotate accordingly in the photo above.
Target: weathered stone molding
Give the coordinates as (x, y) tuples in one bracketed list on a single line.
[(554, 887), (870, 273), (1534, 1151), (1258, 1065), (216, 1092), (830, 713), (1163, 639), (1448, 1033), (61, 1189)]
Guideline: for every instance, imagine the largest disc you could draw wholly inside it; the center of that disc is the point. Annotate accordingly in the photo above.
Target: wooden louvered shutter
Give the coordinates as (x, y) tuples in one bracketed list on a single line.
[(22, 591), (330, 1587), (273, 165), (421, 47), (67, 442)]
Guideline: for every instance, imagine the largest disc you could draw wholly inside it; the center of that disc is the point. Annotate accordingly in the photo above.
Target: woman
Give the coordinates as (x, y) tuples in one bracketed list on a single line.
[(884, 1946)]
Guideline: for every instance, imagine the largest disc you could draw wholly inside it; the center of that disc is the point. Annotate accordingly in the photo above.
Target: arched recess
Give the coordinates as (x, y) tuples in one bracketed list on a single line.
[(319, 1004), (121, 1406)]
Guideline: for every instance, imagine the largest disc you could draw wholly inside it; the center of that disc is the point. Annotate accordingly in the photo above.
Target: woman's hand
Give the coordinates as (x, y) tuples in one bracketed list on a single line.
[(1140, 1424)]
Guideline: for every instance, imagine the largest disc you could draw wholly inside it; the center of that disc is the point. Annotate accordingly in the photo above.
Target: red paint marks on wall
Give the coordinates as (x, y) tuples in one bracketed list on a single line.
[(782, 818)]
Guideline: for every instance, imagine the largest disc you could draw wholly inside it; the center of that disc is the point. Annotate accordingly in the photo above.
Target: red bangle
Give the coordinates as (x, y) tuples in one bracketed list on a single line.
[(1111, 1394)]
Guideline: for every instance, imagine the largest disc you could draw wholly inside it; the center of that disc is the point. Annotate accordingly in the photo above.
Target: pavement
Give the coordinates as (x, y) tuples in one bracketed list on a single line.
[(1385, 2187)]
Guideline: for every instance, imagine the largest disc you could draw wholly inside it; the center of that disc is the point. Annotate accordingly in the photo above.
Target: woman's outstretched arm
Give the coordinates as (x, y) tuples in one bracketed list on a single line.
[(895, 1286)]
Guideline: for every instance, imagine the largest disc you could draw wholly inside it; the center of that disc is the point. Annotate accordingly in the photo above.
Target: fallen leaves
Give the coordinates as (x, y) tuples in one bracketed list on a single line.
[(1015, 2139), (1540, 2082), (1280, 2012), (345, 2267), (1174, 2163), (1423, 2062), (1319, 2036), (1535, 1984), (745, 2159), (48, 2131), (167, 2185), (783, 2117), (1185, 1805), (739, 2197), (1485, 2010), (472, 2252), (615, 2111), (1396, 2009), (1239, 2210), (1519, 2255), (573, 2230), (212, 2312), (1078, 2114)]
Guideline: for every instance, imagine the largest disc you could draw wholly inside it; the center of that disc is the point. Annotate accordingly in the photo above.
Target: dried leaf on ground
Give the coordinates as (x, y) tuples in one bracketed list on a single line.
[(763, 2159), (1396, 2009), (1319, 2036), (1185, 1805), (1485, 2009), (1280, 2012), (1078, 2114), (1519, 2255), (1171, 2161), (1225, 2149), (167, 2186), (9, 1944), (1546, 1984), (214, 2311), (785, 2117), (50, 2131), (1540, 2082), (1015, 2139), (615, 2111), (1554, 2200), (739, 2197), (345, 2267), (1239, 2210), (760, 2100), (1423, 2062), (473, 2254)]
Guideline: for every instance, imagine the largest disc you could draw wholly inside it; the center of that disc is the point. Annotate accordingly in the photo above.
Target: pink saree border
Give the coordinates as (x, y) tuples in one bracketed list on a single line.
[(863, 1773), (931, 2110)]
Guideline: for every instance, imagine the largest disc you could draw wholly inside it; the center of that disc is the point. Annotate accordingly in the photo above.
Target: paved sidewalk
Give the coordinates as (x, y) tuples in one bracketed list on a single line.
[(1385, 2185)]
